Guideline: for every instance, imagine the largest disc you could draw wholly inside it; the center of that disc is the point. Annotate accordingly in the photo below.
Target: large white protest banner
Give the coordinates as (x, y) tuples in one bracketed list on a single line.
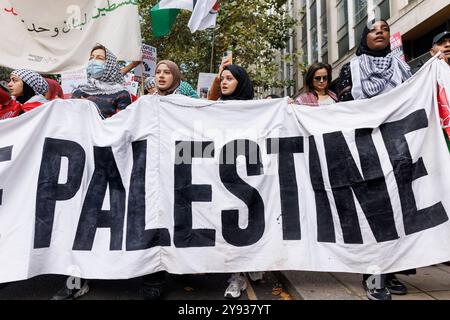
[(193, 186), (56, 36)]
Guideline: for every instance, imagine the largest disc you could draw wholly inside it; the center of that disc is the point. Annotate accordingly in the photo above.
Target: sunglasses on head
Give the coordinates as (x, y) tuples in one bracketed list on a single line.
[(318, 79)]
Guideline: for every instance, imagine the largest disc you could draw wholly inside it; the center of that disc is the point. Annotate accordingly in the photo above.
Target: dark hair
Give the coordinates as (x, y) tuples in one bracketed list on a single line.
[(98, 46), (273, 96), (28, 93), (309, 77)]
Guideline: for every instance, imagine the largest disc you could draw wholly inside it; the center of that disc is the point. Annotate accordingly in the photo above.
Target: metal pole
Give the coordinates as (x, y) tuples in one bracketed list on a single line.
[(211, 68)]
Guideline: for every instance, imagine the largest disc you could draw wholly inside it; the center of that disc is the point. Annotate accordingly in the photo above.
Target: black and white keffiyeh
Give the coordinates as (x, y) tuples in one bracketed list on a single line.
[(33, 79), (110, 82), (376, 71), (379, 74)]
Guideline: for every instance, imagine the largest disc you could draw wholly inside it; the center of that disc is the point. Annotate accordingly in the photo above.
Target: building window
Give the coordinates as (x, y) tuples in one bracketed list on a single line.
[(323, 24), (385, 8), (342, 32), (304, 38), (360, 17), (314, 36), (304, 31)]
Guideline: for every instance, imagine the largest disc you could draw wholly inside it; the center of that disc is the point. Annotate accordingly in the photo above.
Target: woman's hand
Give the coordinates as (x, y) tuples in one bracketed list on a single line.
[(442, 56), (225, 62)]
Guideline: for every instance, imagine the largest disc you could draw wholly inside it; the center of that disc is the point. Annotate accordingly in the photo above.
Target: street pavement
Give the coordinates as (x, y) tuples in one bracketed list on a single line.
[(179, 287), (430, 283)]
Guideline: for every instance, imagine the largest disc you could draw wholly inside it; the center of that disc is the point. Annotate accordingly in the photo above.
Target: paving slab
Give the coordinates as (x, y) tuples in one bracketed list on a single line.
[(319, 286), (440, 295), (429, 279), (413, 296)]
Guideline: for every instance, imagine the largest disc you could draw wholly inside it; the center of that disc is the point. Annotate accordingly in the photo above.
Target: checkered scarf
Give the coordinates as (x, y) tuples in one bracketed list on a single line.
[(377, 73), (110, 82), (33, 79)]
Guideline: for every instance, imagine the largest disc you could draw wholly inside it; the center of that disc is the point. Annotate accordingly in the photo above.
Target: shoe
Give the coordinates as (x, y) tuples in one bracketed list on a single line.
[(256, 276), (395, 286), (377, 294), (152, 292), (237, 284), (69, 294)]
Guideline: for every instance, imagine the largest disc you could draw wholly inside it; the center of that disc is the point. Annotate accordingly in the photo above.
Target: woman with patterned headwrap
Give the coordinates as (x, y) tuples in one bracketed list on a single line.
[(105, 83), (104, 88), (28, 87)]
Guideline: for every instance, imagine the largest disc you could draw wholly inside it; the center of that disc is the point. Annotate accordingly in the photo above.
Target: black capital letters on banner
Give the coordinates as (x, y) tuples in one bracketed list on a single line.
[(371, 191), (325, 224), (288, 183), (231, 231), (406, 172), (5, 155), (92, 216), (49, 190), (185, 193), (137, 237)]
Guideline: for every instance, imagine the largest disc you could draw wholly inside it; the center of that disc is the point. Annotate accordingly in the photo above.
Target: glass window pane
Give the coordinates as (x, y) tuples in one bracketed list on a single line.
[(324, 31), (314, 45), (385, 10), (323, 7), (342, 14), (313, 10), (360, 10), (359, 28), (343, 46), (343, 43)]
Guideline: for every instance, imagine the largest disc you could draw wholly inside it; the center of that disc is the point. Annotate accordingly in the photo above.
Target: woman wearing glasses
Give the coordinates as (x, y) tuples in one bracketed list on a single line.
[(317, 84)]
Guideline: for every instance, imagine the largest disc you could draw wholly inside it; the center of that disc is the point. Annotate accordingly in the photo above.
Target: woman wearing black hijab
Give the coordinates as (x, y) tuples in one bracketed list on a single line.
[(235, 84), (375, 70)]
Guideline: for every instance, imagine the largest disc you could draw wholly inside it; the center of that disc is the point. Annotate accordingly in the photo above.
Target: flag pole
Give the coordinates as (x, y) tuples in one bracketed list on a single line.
[(142, 80), (211, 68)]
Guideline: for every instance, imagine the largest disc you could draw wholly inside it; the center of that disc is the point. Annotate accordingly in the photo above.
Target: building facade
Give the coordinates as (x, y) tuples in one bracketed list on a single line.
[(330, 30)]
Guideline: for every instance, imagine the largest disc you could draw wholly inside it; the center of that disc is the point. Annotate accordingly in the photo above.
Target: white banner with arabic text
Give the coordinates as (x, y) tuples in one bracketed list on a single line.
[(57, 36)]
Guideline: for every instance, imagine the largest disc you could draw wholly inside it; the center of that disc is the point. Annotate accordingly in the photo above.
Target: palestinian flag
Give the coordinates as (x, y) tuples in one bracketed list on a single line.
[(164, 14), (163, 20)]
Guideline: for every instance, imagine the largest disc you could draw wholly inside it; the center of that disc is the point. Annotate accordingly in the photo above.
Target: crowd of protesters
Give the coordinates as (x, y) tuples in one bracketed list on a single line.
[(374, 70)]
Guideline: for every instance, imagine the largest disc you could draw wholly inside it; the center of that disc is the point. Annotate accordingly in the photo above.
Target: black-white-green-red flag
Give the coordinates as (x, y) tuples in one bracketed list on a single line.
[(204, 15)]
